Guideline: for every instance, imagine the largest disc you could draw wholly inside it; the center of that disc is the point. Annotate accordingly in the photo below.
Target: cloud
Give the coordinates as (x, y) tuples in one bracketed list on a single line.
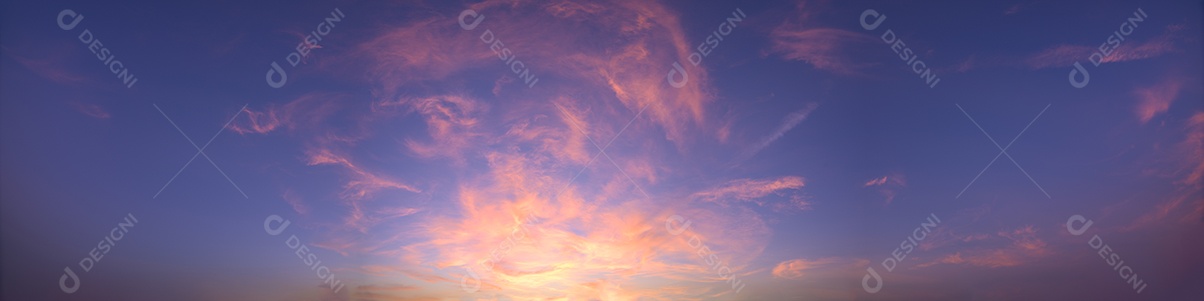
[(792, 120), (94, 111), (1067, 54), (835, 50), (1183, 165), (295, 201), (1014, 9), (749, 190), (1156, 99), (452, 123), (1004, 249), (795, 268), (888, 185), (510, 204), (1064, 54), (307, 111), (627, 62), (362, 183), (50, 64)]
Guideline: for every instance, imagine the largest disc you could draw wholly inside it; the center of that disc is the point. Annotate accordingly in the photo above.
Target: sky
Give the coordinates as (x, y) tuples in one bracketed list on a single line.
[(601, 150)]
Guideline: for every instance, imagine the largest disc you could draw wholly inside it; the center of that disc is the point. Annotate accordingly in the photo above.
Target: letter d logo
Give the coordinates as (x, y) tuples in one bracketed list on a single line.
[(1078, 69), (267, 224), (63, 281), (865, 281), (685, 78), (277, 70)]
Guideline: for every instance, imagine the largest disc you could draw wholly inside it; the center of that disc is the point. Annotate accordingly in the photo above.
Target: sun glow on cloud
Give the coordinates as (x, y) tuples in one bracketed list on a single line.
[(523, 196)]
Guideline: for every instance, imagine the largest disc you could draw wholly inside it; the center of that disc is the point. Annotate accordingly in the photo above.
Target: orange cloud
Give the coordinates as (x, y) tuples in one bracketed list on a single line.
[(520, 216), (795, 268)]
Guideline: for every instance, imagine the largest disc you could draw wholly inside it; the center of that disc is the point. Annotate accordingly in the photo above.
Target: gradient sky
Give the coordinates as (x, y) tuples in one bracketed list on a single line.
[(802, 150)]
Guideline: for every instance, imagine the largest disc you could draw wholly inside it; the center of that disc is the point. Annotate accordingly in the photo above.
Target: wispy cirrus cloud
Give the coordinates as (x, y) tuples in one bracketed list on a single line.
[(1182, 165), (788, 123), (834, 50), (1156, 99), (754, 191), (1067, 54), (307, 111), (797, 268), (522, 164), (92, 110), (888, 185), (1004, 249)]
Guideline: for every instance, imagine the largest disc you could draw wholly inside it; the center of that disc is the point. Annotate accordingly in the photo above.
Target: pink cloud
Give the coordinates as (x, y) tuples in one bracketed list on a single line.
[(888, 185), (1004, 249), (582, 238), (1184, 165), (830, 49), (749, 190), (362, 183), (1156, 99), (94, 111), (1131, 50), (52, 65), (305, 112), (452, 123), (796, 268), (792, 120), (824, 48)]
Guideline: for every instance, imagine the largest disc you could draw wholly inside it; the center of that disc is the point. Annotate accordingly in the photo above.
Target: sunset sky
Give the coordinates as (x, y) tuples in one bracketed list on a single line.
[(602, 150)]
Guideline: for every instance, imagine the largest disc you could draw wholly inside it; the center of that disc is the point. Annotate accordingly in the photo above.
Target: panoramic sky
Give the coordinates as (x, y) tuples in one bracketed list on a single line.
[(601, 150)]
